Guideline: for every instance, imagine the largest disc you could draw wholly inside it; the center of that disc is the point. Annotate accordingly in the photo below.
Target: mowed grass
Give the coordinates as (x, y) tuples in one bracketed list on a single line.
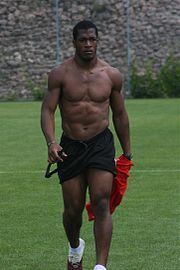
[(146, 225)]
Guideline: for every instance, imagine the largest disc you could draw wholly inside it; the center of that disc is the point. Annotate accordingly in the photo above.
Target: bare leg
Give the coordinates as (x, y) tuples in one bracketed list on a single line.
[(103, 234), (74, 194), (100, 185)]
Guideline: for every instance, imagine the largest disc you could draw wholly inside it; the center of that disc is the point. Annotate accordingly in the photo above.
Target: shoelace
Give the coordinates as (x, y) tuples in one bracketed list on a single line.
[(74, 260)]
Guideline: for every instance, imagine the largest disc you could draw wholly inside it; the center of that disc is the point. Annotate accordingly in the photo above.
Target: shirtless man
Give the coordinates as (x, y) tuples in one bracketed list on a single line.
[(84, 87)]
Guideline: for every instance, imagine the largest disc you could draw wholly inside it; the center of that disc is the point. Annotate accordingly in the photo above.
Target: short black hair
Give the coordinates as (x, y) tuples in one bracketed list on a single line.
[(83, 25)]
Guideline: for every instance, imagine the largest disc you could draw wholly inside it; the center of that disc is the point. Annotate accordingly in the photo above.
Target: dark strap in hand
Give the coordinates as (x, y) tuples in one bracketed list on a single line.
[(73, 149)]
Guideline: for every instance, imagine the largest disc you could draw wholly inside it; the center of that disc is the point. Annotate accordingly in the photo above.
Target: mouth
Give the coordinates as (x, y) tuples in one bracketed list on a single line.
[(88, 52)]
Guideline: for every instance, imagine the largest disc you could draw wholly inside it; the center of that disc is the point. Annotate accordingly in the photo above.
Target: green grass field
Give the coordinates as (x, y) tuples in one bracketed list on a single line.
[(146, 225)]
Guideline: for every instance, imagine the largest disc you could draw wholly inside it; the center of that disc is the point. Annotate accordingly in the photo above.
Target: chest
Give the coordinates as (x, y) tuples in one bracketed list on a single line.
[(92, 86)]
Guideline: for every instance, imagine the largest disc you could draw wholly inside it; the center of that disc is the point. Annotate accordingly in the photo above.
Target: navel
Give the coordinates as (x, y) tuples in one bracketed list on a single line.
[(85, 128)]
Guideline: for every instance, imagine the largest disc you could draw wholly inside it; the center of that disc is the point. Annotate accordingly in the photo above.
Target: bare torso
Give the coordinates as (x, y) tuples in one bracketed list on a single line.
[(84, 87), (84, 99)]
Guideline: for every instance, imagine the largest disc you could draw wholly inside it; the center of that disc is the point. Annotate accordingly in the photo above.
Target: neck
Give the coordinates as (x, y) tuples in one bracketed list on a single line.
[(85, 64)]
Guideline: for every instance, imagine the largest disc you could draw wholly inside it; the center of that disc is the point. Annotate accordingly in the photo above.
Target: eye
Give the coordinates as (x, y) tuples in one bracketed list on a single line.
[(93, 39), (82, 40), (85, 40)]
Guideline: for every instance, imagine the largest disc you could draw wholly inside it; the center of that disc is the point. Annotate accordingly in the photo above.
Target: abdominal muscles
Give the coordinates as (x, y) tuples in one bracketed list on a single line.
[(84, 119)]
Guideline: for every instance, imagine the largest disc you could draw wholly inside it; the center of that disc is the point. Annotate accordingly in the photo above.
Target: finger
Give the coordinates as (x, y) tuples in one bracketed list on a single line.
[(50, 160), (55, 157), (62, 154)]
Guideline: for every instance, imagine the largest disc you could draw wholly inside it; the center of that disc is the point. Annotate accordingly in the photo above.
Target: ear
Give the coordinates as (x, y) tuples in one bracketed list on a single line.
[(74, 43)]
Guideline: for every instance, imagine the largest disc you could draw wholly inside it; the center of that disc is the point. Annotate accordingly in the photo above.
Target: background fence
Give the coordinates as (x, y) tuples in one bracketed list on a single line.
[(36, 35)]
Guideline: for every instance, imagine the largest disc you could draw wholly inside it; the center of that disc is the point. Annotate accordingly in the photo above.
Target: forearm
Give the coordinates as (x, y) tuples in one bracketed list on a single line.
[(48, 124), (121, 125)]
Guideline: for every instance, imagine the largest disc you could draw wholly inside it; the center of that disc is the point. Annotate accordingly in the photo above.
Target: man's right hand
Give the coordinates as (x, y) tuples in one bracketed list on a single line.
[(53, 153)]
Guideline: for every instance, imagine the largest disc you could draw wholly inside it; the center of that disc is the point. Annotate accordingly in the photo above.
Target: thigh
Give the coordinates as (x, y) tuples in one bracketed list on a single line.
[(100, 184), (74, 192)]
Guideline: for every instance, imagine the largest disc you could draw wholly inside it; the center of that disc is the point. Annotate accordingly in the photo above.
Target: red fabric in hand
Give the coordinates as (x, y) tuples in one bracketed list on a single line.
[(123, 166)]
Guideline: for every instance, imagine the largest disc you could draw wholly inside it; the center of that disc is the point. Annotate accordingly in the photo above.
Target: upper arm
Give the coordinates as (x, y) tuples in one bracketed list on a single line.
[(52, 96), (116, 98)]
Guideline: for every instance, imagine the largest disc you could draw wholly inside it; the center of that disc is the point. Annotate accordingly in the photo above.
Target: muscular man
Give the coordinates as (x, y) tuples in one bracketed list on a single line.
[(84, 87)]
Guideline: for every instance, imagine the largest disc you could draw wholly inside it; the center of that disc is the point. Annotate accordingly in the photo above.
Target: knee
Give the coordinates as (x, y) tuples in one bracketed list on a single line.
[(73, 212), (100, 207)]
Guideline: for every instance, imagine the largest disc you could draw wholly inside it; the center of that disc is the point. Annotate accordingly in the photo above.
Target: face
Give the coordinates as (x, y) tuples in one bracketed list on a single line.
[(86, 44)]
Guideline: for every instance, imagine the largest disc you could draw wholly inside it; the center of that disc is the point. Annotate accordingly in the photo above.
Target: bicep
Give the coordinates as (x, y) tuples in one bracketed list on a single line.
[(117, 102), (51, 100), (117, 98), (52, 95)]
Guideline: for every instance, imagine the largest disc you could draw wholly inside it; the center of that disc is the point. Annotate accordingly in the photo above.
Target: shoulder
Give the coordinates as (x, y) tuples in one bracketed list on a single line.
[(57, 74), (60, 70), (114, 74)]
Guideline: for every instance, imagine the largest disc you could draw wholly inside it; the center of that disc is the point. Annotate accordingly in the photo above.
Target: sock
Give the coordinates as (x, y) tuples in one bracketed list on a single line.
[(76, 250), (99, 267)]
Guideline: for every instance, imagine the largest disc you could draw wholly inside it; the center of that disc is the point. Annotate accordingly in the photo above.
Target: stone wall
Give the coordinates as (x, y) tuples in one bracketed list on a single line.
[(28, 36)]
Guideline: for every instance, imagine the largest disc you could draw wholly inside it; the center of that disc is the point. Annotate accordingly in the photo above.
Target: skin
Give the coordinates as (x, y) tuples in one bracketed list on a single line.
[(84, 87)]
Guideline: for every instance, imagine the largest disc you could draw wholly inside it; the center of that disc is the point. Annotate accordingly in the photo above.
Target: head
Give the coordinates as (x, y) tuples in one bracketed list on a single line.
[(85, 36)]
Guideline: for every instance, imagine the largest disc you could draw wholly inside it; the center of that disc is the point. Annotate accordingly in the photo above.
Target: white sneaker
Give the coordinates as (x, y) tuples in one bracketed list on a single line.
[(75, 258), (99, 267)]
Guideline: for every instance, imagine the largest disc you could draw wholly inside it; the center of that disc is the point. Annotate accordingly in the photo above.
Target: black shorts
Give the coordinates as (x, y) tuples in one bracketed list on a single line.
[(97, 152)]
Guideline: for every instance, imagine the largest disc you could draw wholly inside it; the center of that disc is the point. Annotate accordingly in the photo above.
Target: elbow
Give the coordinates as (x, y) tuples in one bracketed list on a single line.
[(46, 114), (121, 117), (45, 109), (117, 115)]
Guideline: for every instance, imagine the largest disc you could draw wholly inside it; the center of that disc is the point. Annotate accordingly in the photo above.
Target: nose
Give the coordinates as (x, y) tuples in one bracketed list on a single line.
[(88, 43)]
